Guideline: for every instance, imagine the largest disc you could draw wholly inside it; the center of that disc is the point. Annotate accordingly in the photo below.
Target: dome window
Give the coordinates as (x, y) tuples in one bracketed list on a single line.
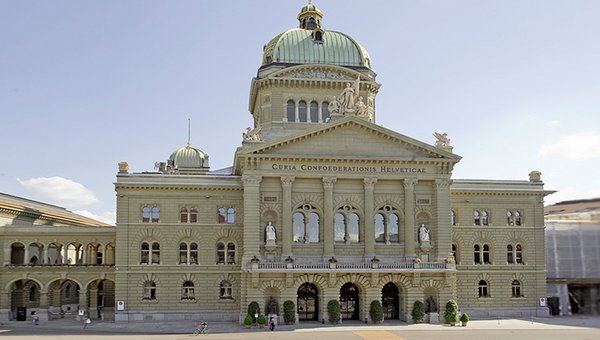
[(311, 24), (318, 36)]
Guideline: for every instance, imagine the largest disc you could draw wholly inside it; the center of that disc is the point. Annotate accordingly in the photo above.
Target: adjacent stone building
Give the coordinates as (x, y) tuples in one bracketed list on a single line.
[(573, 253), (320, 203)]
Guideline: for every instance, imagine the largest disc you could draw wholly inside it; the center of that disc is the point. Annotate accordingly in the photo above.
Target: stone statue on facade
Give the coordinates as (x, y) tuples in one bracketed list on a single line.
[(442, 139), (251, 135), (270, 232), (423, 233), (334, 106), (347, 97), (361, 107)]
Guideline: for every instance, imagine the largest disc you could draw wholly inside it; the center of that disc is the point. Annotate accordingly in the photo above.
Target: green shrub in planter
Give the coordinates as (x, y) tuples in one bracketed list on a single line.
[(333, 311), (376, 312), (289, 312), (253, 307), (418, 311), (262, 320), (452, 319), (248, 320), (464, 319), (451, 309)]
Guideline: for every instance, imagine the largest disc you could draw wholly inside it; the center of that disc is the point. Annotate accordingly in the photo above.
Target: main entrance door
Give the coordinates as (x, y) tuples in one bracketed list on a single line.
[(308, 302), (390, 301), (349, 302)]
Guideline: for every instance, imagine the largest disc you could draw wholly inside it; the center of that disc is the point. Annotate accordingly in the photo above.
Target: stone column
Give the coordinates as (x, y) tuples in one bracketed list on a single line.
[(409, 217), (328, 240), (84, 254), (369, 224), (93, 304), (287, 232), (442, 235), (5, 302), (82, 303), (320, 104), (43, 310), (252, 228), (26, 255), (45, 255), (297, 112)]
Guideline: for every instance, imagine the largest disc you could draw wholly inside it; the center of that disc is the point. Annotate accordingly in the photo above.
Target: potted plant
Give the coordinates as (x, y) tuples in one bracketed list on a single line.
[(289, 312), (333, 311), (451, 310), (248, 321), (418, 311), (254, 310), (261, 320), (376, 312), (452, 319), (464, 319)]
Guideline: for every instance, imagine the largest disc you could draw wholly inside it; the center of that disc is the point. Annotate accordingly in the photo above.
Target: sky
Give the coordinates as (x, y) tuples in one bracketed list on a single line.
[(86, 84)]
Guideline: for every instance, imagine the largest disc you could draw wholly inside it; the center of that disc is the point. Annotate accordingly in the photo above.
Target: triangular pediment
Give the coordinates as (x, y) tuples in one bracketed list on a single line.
[(350, 138)]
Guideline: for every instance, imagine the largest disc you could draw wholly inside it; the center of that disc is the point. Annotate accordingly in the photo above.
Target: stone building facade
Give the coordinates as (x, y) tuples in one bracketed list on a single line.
[(321, 204)]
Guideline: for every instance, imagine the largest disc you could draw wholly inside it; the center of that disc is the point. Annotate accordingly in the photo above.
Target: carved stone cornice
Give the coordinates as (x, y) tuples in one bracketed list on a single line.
[(286, 181), (251, 180), (328, 182), (370, 182)]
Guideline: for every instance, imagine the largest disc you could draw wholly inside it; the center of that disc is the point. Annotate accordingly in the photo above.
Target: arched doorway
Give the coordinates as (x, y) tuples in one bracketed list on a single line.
[(24, 299), (390, 301), (349, 302), (308, 302)]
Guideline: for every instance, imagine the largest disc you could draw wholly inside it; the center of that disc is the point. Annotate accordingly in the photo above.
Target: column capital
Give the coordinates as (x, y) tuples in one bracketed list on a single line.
[(442, 183), (287, 181), (251, 179), (409, 182), (328, 182), (369, 182)]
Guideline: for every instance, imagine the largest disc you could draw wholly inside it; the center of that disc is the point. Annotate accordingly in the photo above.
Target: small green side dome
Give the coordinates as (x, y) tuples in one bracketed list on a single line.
[(298, 46), (188, 158)]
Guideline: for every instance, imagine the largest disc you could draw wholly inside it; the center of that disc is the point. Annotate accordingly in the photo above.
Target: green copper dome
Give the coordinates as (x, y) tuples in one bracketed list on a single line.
[(298, 46), (188, 158), (310, 44)]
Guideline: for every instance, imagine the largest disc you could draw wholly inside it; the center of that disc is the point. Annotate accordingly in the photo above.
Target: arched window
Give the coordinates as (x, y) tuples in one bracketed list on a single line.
[(146, 214), (225, 290), (452, 218), (155, 252), (302, 111), (514, 254), (145, 253), (149, 290), (155, 214), (221, 215), (347, 225), (187, 291), (193, 215), (230, 215), (513, 218), (183, 213), (455, 252), (476, 218), (486, 254), (318, 36), (225, 252), (481, 254), (33, 293), (484, 218), (291, 111), (306, 224), (314, 112), (516, 289), (188, 253), (17, 253), (325, 111), (387, 225), (311, 24), (483, 289)]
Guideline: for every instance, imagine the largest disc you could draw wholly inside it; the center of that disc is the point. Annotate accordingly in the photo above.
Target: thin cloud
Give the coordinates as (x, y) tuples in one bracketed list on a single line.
[(60, 191), (107, 217), (577, 146)]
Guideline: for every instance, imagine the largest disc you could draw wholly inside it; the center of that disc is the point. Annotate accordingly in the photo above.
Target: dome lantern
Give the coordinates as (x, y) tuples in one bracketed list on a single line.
[(310, 17)]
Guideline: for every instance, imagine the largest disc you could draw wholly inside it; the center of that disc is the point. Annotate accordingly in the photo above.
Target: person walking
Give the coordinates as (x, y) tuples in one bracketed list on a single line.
[(271, 324), (36, 319), (86, 322)]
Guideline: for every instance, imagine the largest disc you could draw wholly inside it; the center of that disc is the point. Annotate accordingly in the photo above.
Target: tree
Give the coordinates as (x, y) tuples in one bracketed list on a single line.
[(451, 312), (376, 311), (289, 312), (253, 308), (333, 311), (418, 311)]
